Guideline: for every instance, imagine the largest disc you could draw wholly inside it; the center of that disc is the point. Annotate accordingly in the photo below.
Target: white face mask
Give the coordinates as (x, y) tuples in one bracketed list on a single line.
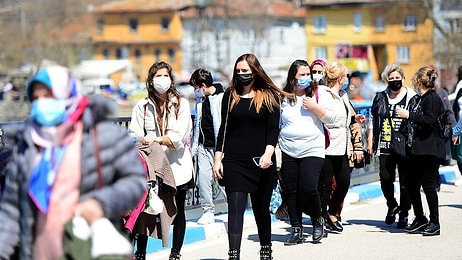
[(161, 84), (317, 77)]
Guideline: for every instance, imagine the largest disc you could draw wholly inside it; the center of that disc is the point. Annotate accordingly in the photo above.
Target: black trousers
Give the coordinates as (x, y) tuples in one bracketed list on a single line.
[(335, 166), (300, 176), (425, 174), (388, 164)]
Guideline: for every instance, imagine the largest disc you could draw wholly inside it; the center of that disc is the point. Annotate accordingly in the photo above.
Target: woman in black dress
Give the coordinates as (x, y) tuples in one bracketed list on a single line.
[(244, 158)]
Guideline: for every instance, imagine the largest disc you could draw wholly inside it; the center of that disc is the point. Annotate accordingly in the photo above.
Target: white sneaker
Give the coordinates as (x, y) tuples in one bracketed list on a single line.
[(207, 218)]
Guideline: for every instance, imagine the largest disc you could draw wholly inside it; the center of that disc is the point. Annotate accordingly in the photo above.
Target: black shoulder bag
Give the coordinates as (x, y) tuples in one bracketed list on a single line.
[(398, 141)]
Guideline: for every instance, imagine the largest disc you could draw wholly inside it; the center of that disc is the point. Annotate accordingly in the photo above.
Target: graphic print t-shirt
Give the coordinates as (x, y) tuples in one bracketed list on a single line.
[(385, 134)]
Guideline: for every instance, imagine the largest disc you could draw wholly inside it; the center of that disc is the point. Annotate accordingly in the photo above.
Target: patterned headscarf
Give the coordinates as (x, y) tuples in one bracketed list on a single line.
[(53, 140)]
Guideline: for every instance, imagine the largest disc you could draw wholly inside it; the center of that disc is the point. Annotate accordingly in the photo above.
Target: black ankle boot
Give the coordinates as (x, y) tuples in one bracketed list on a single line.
[(318, 228), (296, 237), (233, 254), (174, 254), (265, 252)]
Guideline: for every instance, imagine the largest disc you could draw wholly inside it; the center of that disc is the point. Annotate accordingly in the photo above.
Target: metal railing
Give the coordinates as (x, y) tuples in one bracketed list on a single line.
[(358, 176)]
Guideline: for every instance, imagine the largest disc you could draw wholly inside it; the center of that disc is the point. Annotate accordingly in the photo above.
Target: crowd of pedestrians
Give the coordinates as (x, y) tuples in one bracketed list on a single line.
[(68, 159)]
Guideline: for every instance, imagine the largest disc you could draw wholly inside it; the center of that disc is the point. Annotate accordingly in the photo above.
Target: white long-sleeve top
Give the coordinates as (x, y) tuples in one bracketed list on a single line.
[(178, 130), (340, 135), (302, 133)]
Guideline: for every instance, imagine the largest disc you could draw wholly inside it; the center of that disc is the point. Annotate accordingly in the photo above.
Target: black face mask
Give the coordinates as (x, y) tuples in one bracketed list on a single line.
[(244, 79), (395, 85)]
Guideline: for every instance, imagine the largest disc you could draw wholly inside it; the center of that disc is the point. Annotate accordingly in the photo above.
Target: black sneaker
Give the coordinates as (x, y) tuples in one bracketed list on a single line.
[(391, 215), (402, 223), (417, 225), (432, 229)]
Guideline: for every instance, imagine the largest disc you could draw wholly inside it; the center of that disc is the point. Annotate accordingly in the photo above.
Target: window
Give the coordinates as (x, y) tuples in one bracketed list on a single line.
[(125, 53), (455, 25), (171, 55), (410, 22), (157, 53), (321, 52), (357, 22), (380, 23), (99, 26), (118, 54), (137, 56), (165, 23), (105, 54), (133, 24), (319, 24), (403, 54)]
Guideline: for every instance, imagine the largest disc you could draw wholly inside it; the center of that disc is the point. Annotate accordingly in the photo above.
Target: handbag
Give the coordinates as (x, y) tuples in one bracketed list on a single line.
[(365, 161), (100, 240), (153, 205), (398, 144)]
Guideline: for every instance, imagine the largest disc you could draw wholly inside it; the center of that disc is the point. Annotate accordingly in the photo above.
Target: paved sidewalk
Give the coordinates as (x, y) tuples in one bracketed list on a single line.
[(357, 194)]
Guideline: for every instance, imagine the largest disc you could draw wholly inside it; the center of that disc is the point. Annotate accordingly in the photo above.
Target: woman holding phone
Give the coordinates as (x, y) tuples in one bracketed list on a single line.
[(244, 158)]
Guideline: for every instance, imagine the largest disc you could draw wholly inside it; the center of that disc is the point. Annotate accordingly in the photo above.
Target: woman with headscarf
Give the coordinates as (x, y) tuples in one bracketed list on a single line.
[(68, 159)]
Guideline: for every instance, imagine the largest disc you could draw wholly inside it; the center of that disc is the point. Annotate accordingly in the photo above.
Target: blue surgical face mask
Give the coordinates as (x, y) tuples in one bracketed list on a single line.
[(198, 93), (303, 82), (345, 85), (48, 111)]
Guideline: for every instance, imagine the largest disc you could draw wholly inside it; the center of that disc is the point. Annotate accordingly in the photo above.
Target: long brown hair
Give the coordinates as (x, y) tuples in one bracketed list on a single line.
[(158, 99), (291, 82), (264, 87)]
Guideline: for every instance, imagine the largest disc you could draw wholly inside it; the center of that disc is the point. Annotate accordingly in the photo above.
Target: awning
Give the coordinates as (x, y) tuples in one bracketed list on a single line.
[(88, 69)]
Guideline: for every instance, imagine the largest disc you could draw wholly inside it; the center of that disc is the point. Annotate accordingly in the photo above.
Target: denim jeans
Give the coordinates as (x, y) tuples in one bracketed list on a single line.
[(204, 177)]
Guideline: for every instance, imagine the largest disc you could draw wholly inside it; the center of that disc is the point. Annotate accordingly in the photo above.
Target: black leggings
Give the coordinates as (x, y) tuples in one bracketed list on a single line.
[(237, 202), (179, 226)]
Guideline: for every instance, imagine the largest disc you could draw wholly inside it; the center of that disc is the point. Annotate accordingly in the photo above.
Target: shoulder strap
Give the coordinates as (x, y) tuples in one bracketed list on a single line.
[(98, 159), (226, 122)]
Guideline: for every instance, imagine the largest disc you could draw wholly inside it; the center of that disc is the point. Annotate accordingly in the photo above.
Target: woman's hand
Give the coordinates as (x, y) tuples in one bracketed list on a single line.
[(90, 210), (217, 170), (147, 140), (265, 161), (360, 118), (401, 112), (455, 139), (308, 103), (358, 156)]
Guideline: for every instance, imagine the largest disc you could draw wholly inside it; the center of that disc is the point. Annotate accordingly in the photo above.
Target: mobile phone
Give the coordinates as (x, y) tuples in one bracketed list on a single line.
[(256, 160)]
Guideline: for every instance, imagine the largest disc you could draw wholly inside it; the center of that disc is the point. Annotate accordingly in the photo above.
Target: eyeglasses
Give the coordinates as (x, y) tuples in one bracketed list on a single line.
[(316, 71)]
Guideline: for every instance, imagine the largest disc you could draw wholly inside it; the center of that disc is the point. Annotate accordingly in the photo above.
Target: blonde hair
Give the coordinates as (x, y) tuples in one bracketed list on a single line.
[(426, 76), (389, 69), (334, 72)]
